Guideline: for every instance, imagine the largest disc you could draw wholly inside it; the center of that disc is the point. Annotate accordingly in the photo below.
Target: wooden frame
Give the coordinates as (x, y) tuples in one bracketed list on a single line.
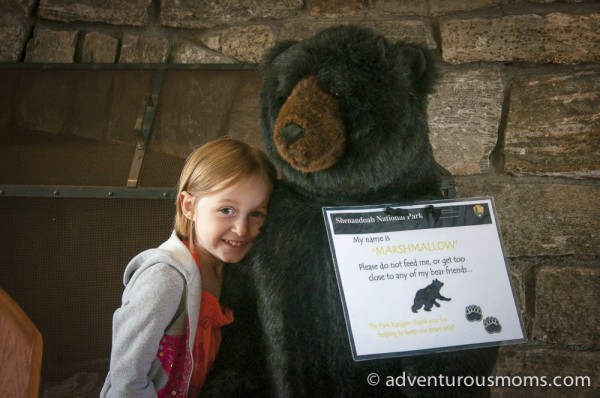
[(21, 348)]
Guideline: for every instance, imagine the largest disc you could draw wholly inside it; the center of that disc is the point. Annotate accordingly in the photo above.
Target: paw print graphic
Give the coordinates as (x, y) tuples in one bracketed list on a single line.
[(492, 325), (473, 313)]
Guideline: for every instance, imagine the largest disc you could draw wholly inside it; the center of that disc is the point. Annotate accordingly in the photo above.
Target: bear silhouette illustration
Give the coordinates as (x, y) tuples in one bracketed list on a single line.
[(427, 296)]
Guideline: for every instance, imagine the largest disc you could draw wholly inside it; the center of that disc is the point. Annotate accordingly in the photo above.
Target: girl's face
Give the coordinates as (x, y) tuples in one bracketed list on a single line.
[(228, 221)]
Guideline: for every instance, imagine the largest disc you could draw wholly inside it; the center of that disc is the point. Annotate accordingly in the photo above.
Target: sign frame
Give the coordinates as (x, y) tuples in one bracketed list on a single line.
[(423, 227)]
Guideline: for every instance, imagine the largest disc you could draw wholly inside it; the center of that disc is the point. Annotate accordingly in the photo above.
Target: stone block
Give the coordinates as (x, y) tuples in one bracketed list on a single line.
[(554, 38), (51, 46), (426, 8), (519, 273), (192, 53), (395, 7), (114, 12), (99, 49), (14, 28), (246, 44), (567, 307), (144, 49), (334, 8), (541, 219), (438, 7), (526, 371), (13, 36), (411, 31), (205, 13), (464, 116), (553, 126), (557, 1)]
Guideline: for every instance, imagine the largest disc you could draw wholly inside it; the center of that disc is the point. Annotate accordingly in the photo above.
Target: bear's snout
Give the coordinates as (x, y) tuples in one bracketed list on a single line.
[(309, 132)]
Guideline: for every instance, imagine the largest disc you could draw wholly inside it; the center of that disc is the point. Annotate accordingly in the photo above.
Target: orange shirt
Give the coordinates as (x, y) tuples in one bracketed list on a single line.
[(208, 336)]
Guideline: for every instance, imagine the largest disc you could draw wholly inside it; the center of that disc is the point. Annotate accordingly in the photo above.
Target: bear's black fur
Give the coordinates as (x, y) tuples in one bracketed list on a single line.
[(370, 102), (240, 369)]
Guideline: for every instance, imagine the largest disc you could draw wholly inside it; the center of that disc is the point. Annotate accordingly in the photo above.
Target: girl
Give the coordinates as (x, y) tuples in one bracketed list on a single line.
[(166, 334)]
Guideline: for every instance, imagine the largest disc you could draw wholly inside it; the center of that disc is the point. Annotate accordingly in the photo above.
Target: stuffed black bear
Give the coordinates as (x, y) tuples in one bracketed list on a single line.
[(344, 119)]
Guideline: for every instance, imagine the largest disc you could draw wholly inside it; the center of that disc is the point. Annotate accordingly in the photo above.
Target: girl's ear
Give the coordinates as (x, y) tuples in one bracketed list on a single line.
[(186, 201)]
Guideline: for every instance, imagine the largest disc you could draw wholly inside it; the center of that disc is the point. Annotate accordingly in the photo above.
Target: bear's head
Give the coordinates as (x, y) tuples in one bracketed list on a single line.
[(344, 115)]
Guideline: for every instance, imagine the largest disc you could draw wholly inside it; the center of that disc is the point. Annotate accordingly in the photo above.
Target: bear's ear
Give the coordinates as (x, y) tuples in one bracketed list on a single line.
[(415, 59), (275, 51), (419, 64)]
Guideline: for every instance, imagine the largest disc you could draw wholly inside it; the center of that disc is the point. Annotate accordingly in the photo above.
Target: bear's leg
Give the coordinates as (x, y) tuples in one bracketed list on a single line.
[(416, 306)]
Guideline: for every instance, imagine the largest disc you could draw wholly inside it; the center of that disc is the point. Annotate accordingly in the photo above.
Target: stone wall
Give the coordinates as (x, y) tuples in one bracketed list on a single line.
[(516, 116)]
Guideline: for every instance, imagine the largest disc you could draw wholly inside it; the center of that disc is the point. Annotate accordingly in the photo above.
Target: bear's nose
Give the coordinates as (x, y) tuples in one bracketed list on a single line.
[(291, 133)]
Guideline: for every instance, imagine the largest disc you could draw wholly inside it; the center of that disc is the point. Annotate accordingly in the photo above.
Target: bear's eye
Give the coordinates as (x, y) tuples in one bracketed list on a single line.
[(281, 99), (335, 93)]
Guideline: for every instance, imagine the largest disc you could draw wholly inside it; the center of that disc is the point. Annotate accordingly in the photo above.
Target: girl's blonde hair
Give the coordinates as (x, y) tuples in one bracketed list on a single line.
[(215, 166)]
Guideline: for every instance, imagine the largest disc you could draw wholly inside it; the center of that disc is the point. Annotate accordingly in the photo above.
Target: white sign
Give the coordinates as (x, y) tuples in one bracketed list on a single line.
[(422, 278)]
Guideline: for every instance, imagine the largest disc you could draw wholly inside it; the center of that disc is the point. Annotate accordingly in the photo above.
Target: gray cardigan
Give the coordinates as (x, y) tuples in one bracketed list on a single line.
[(162, 296)]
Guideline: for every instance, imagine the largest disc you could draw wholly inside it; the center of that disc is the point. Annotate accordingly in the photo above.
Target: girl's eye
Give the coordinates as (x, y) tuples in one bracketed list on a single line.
[(228, 211), (258, 214)]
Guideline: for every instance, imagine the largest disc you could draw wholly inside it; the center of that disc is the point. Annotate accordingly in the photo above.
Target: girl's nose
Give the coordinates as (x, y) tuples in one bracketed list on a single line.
[(240, 227)]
